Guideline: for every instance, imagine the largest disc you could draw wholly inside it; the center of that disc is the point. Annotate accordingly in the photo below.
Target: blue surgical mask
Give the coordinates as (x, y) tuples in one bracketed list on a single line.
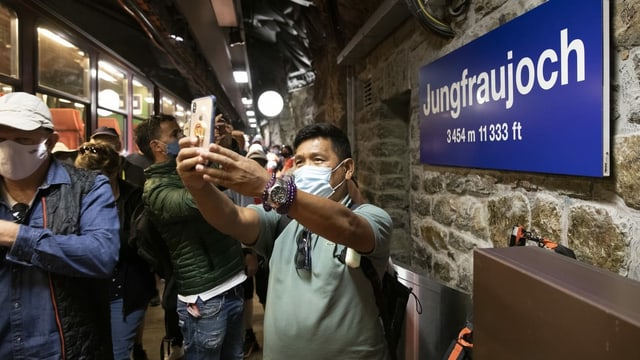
[(315, 179), (173, 148)]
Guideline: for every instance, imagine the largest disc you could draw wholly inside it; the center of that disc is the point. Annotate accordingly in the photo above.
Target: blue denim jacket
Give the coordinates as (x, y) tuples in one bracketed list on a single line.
[(28, 321)]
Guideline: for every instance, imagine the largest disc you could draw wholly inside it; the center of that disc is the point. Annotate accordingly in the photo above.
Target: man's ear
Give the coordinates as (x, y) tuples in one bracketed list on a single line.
[(349, 166), (153, 145)]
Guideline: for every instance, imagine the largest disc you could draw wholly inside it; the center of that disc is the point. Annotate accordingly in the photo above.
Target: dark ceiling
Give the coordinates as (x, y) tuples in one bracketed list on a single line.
[(277, 37)]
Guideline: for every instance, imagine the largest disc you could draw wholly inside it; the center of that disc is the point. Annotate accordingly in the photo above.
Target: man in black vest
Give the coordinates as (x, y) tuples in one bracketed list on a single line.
[(58, 241)]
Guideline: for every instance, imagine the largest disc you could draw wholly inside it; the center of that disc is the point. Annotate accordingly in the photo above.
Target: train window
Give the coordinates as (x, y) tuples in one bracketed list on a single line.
[(8, 42), (181, 113), (171, 105), (68, 120), (112, 96), (167, 104), (112, 88), (62, 65), (142, 98)]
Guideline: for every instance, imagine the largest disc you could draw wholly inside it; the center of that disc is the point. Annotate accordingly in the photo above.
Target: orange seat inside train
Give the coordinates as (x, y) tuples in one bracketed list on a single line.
[(110, 122), (69, 126)]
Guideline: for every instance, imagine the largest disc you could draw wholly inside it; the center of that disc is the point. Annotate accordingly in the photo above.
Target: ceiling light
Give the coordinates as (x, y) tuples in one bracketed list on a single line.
[(246, 101), (106, 66), (109, 99), (106, 77), (251, 113), (270, 103), (55, 37), (241, 77)]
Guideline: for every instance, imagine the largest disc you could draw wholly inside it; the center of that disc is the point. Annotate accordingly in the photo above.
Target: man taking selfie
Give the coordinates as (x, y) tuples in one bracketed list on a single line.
[(320, 305)]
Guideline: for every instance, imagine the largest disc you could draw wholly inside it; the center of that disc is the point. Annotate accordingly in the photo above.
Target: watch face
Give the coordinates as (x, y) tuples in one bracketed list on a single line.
[(278, 194)]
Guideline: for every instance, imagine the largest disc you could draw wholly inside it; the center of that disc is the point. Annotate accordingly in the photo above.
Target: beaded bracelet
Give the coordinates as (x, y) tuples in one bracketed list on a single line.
[(265, 193), (292, 190)]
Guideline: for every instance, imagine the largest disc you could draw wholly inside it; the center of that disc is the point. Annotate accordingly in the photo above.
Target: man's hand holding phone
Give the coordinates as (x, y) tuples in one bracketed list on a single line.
[(187, 160)]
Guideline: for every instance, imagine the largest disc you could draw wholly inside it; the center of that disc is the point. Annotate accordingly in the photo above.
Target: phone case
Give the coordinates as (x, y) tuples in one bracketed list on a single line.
[(202, 123)]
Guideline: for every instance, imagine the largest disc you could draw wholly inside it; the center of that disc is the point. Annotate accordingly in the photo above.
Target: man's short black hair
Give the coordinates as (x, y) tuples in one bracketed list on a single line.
[(148, 131), (339, 140)]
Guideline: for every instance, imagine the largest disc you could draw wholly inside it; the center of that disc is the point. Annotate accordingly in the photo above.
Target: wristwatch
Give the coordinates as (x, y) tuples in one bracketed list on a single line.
[(279, 194)]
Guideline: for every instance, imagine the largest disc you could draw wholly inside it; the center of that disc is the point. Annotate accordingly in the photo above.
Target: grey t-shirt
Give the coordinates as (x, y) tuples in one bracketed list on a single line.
[(329, 312)]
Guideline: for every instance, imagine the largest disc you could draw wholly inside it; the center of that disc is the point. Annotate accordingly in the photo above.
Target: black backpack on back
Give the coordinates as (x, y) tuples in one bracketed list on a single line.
[(148, 242)]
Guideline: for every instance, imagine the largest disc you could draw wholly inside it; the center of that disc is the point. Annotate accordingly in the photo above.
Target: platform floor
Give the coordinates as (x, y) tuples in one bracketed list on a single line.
[(154, 330)]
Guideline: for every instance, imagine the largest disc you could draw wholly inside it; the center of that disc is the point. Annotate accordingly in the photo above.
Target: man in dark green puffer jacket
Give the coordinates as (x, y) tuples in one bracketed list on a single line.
[(208, 266)]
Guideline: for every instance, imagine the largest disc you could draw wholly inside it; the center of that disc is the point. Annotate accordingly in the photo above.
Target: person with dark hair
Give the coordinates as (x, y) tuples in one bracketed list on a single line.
[(143, 135), (319, 305), (208, 266), (59, 242), (132, 283)]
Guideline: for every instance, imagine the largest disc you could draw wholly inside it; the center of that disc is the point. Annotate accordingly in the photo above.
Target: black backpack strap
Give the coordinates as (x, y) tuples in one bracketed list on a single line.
[(381, 301), (372, 275)]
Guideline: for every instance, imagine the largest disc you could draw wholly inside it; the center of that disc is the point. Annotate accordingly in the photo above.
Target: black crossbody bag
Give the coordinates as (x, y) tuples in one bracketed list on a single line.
[(391, 297)]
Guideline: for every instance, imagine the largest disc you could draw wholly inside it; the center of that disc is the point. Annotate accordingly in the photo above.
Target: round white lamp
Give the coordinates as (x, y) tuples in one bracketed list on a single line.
[(109, 99), (270, 103)]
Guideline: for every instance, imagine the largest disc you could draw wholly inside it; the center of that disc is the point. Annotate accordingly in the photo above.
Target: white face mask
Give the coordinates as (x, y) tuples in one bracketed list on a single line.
[(18, 161), (315, 179)]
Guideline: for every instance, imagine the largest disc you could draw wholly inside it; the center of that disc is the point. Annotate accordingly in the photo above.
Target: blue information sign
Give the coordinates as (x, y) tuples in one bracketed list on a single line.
[(531, 95)]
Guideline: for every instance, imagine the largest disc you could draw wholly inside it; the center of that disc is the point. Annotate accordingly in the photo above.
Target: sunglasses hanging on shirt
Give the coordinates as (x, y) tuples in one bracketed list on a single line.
[(303, 254), (19, 212)]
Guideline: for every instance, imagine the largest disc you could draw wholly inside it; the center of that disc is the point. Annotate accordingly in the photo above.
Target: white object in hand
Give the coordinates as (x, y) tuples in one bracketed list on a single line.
[(352, 258)]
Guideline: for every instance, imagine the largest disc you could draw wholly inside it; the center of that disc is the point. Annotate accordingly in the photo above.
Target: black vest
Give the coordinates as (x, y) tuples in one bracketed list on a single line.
[(82, 303)]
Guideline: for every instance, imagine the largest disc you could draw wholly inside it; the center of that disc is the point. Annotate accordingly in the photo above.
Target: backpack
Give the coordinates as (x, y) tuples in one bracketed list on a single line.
[(392, 297), (147, 241)]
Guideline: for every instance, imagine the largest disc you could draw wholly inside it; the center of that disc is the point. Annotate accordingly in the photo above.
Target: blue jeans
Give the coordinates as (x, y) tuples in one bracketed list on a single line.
[(124, 329), (213, 329)]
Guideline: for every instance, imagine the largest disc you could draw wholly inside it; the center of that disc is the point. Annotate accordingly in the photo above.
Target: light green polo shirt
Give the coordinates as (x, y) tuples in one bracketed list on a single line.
[(330, 312)]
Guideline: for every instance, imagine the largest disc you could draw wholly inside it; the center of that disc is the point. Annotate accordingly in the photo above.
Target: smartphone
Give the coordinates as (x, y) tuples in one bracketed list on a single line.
[(202, 122)]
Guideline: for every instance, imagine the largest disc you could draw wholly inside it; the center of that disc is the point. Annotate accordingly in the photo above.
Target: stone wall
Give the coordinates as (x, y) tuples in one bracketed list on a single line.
[(441, 214)]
